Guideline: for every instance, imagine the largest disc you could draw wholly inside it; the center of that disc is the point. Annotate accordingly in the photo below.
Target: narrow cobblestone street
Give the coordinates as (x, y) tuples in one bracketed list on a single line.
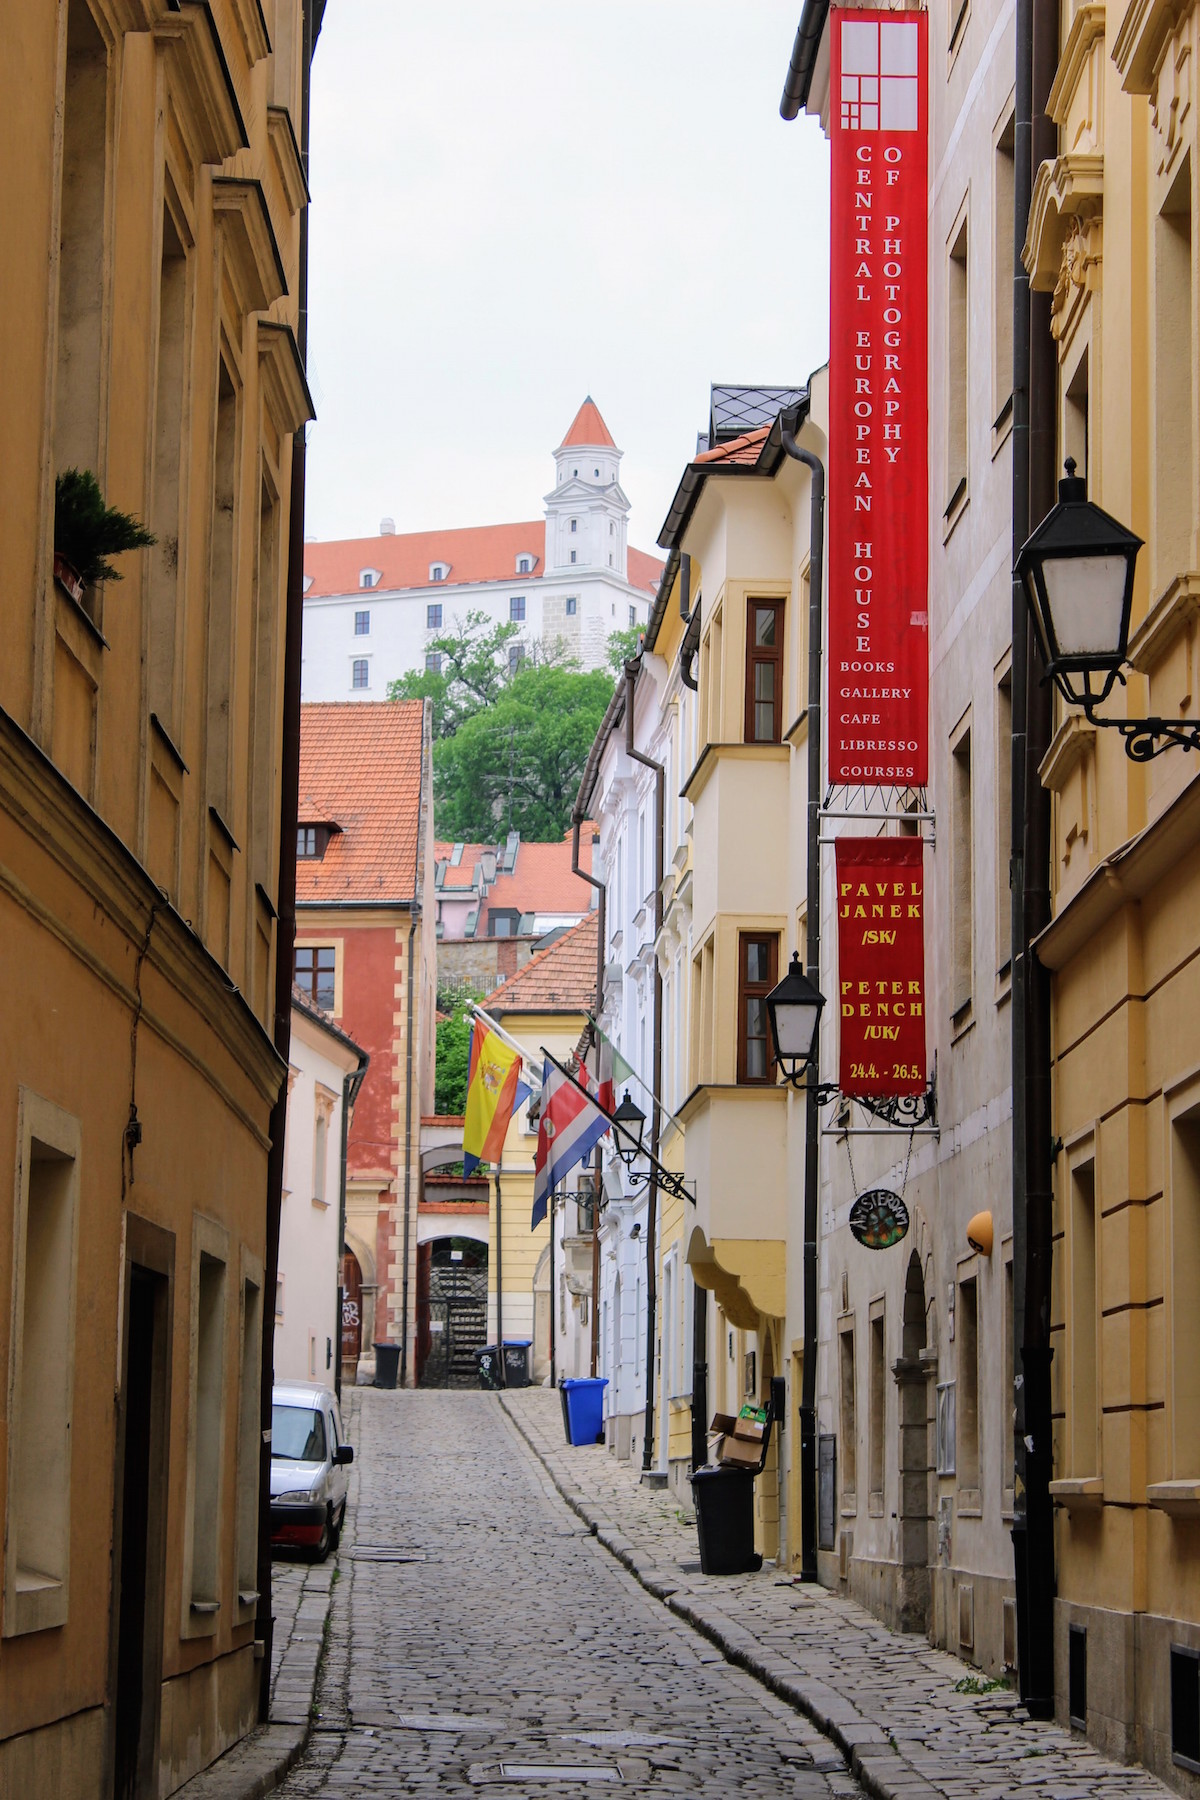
[(483, 1635), (509, 1651)]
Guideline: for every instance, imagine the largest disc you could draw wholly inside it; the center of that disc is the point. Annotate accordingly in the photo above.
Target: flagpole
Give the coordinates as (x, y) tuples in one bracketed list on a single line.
[(550, 1210), (479, 1013), (617, 1127), (644, 1085)]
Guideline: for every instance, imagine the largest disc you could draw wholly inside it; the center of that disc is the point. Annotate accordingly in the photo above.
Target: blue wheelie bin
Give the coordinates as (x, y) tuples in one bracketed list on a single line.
[(583, 1405)]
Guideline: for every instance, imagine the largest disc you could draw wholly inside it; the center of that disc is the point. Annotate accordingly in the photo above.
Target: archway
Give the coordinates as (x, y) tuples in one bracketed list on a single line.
[(451, 1315), (912, 1380)]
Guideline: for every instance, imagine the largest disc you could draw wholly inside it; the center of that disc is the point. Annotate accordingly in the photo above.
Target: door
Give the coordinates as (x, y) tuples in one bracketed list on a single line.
[(139, 1550), (351, 1314)]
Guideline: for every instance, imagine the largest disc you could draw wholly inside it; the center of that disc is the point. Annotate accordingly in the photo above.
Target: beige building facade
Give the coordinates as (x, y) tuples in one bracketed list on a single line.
[(149, 291), (1112, 239)]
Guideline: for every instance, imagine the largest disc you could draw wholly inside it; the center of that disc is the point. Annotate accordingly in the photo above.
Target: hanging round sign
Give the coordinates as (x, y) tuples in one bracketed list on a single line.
[(879, 1219)]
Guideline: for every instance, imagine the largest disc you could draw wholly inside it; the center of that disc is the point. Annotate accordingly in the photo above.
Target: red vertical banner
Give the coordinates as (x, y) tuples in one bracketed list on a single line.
[(878, 558), (881, 965)]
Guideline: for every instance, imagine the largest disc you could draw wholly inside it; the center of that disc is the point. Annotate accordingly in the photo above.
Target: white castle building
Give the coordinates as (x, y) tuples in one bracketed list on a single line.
[(373, 605)]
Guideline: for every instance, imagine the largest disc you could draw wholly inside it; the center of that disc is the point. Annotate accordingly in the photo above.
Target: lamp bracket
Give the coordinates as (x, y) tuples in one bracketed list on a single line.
[(905, 1111), (1147, 738)]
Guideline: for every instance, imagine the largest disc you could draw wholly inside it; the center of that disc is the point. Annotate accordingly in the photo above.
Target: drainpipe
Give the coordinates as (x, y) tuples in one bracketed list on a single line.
[(632, 671), (812, 1119), (285, 935), (408, 1087), (579, 813), (351, 1084), (1033, 453)]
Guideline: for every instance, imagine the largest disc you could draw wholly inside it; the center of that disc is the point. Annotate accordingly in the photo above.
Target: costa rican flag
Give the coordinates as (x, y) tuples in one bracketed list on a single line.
[(569, 1129)]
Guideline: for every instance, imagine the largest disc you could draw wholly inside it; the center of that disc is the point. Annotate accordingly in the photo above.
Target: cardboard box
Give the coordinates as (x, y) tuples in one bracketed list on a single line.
[(739, 1452), (737, 1442)]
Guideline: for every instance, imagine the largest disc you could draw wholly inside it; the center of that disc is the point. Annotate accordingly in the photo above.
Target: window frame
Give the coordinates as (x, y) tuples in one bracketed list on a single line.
[(316, 950), (516, 609), (756, 656), (360, 663), (362, 622), (756, 990)]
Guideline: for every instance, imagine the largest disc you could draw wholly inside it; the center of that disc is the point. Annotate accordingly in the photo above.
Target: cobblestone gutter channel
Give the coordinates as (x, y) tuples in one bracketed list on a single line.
[(888, 1702)]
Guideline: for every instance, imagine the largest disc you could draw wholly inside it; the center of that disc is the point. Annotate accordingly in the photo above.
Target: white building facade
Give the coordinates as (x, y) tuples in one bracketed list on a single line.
[(325, 1071), (373, 606)]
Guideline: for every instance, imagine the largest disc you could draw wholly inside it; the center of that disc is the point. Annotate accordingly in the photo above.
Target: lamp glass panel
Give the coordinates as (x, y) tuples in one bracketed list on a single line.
[(1086, 595), (795, 1027)]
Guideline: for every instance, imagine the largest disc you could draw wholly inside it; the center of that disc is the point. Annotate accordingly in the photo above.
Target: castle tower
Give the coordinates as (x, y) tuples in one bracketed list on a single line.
[(587, 513)]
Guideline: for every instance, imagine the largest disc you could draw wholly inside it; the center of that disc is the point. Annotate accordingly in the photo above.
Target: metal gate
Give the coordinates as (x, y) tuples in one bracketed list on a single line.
[(456, 1325)]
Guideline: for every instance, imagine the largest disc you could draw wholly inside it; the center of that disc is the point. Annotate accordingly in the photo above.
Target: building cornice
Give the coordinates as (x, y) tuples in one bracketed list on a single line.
[(1086, 27), (44, 805), (1123, 878), (1142, 39), (1071, 187)]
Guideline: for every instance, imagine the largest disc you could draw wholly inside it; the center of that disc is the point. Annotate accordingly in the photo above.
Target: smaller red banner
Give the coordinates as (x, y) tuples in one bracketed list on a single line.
[(881, 965)]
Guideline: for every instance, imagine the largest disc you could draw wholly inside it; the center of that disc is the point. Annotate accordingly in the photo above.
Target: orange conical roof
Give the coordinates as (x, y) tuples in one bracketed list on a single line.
[(588, 427)]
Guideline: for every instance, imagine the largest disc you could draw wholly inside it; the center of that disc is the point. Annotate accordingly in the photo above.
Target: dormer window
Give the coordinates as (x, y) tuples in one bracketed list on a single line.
[(312, 841), (368, 578), (438, 571), (524, 564)]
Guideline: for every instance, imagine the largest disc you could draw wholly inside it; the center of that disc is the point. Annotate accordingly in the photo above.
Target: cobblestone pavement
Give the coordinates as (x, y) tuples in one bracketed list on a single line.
[(887, 1700), (483, 1643)]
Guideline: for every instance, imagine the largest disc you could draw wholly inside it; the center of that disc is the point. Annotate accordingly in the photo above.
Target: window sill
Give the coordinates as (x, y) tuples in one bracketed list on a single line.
[(1180, 1498), (875, 1506), (970, 1503), (1003, 988), (1079, 1492), (956, 506), (1002, 427), (34, 1602), (321, 1205), (961, 1022), (850, 1506)]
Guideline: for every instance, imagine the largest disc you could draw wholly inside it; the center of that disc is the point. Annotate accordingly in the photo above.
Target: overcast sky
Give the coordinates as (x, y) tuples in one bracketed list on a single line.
[(518, 202)]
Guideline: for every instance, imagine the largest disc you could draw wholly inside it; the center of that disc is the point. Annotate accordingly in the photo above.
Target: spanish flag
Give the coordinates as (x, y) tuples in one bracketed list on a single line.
[(494, 1091)]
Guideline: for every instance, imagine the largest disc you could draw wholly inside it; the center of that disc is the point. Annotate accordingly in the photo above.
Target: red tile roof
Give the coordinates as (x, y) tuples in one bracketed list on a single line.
[(560, 979), (644, 571), (737, 450), (542, 882), (473, 553), (588, 428), (361, 768)]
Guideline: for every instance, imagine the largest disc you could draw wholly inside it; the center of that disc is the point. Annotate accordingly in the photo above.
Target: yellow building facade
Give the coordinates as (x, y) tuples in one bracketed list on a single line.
[(149, 292), (1113, 238)]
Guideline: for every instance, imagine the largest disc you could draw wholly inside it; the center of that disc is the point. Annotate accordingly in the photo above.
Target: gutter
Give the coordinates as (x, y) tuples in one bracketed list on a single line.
[(351, 1086), (285, 935), (812, 957), (414, 921), (1033, 462), (804, 57), (632, 671)]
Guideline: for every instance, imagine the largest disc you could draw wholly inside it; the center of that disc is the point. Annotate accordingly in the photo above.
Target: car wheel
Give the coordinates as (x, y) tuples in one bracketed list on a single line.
[(325, 1542)]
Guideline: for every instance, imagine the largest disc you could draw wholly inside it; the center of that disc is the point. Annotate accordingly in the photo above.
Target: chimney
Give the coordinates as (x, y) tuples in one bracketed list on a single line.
[(387, 527)]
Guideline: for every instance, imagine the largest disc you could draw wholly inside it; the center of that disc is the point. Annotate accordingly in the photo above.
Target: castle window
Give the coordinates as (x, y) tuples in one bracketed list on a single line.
[(524, 565), (362, 624), (360, 673), (438, 571), (574, 524), (573, 556), (367, 578), (572, 606), (516, 608)]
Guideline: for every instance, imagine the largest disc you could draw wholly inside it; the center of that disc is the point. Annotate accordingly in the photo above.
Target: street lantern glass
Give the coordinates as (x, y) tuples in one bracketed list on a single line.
[(1078, 569), (794, 1009), (630, 1116)]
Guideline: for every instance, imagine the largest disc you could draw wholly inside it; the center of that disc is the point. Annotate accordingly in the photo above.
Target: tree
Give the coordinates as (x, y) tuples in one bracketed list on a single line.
[(623, 646), (474, 670), (517, 766), (453, 1059)]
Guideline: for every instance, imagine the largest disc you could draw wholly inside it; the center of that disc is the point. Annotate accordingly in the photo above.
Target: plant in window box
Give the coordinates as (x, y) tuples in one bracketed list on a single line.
[(87, 533)]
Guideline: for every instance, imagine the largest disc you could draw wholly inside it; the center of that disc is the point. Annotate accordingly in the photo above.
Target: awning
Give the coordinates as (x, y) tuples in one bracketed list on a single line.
[(747, 1275)]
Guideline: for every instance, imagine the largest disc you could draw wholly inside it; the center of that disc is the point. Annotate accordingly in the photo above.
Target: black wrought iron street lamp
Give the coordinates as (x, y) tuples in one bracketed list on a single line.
[(794, 1007), (632, 1121), (1077, 568)]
